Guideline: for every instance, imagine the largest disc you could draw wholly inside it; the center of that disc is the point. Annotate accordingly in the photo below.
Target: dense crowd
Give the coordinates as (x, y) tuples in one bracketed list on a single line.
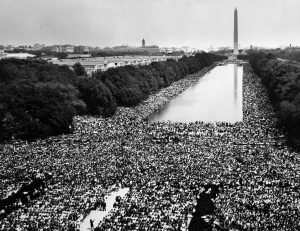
[(165, 165)]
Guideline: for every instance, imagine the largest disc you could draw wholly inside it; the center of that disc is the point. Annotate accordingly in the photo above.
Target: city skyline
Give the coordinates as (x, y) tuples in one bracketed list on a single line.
[(199, 24)]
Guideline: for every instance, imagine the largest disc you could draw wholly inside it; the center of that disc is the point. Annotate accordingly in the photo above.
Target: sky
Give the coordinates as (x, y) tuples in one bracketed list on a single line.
[(166, 23)]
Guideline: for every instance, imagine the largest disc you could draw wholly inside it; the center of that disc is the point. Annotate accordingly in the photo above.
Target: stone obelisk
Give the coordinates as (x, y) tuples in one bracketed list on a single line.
[(235, 40)]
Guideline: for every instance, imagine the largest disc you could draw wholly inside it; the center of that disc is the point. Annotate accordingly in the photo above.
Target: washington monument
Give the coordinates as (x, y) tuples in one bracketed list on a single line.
[(235, 41)]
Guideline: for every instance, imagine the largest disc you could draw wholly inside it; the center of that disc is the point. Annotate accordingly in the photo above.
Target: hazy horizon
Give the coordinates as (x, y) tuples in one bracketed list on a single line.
[(193, 23)]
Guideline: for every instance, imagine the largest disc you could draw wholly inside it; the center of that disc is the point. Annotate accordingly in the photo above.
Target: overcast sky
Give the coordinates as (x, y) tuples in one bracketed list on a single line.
[(194, 23)]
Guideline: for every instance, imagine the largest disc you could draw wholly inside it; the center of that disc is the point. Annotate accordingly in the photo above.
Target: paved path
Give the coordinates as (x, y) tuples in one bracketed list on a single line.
[(97, 215)]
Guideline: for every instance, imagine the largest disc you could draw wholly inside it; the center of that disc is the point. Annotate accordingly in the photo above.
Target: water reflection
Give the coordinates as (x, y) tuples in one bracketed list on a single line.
[(235, 82), (216, 97)]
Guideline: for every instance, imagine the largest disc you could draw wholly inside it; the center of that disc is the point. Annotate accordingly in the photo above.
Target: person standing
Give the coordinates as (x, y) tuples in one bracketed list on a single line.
[(92, 224)]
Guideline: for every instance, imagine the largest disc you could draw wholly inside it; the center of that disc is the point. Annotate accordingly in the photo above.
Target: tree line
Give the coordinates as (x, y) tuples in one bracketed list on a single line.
[(39, 99), (282, 80), (292, 55), (286, 54)]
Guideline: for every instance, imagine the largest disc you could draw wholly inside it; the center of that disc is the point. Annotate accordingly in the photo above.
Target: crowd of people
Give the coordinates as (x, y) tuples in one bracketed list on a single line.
[(165, 165)]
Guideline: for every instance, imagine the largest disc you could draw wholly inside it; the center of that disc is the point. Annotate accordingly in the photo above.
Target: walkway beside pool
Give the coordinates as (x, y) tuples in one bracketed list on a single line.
[(98, 215)]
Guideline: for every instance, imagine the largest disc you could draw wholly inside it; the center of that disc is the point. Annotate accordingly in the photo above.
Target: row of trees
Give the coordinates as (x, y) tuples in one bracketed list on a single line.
[(286, 54), (130, 85), (282, 80), (38, 99), (292, 55)]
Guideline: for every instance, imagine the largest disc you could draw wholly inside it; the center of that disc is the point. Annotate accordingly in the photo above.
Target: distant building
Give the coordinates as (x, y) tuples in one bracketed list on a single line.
[(49, 58), (67, 49), (19, 55), (9, 48), (143, 43), (63, 48), (37, 47), (81, 49), (2, 52), (85, 49), (55, 49), (225, 51), (2, 49), (22, 47), (185, 49), (94, 49), (93, 65), (73, 56), (170, 50), (92, 68)]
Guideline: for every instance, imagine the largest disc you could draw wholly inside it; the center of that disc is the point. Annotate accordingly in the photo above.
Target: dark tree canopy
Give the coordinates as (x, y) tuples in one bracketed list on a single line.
[(97, 97), (282, 80), (79, 69), (38, 110)]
